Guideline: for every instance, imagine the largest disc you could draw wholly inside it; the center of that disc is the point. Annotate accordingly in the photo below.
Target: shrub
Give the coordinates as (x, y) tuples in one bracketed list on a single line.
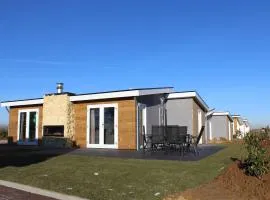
[(266, 133), (257, 162), (3, 133), (223, 139), (237, 135)]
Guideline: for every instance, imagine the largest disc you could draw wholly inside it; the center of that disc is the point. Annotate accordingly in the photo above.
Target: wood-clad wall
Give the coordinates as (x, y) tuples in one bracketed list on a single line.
[(126, 121), (13, 120)]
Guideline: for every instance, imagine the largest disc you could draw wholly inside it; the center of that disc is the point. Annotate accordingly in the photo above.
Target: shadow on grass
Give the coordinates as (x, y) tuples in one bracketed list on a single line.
[(19, 156)]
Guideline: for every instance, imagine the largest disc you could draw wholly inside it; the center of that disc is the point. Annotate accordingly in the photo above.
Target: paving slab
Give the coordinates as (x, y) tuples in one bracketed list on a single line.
[(16, 191)]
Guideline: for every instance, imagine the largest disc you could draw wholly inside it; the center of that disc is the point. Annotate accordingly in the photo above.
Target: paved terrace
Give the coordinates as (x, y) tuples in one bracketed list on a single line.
[(23, 155)]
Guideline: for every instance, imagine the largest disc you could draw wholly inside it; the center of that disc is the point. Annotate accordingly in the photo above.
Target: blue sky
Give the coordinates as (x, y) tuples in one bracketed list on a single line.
[(219, 48)]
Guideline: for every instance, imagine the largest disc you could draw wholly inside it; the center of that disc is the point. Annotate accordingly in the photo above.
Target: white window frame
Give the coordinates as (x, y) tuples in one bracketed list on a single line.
[(101, 126), (27, 111), (143, 107)]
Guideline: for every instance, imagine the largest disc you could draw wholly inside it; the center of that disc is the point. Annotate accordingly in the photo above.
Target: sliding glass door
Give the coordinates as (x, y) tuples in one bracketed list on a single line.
[(102, 126), (94, 125), (28, 127), (22, 126)]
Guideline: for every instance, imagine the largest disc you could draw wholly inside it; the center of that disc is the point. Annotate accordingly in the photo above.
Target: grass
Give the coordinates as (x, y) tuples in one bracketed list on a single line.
[(119, 178)]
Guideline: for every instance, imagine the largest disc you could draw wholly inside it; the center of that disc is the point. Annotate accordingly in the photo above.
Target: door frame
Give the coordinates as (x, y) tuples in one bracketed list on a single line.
[(229, 130), (27, 142), (200, 123), (142, 107), (101, 126), (210, 130)]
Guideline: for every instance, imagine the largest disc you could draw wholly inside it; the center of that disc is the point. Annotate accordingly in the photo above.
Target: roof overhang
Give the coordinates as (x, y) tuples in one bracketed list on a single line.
[(223, 114), (210, 112), (21, 102), (186, 95), (94, 96), (239, 119), (120, 94)]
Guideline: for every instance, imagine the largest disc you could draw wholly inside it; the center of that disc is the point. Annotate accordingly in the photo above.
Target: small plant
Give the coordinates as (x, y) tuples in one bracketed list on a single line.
[(266, 133), (223, 139), (257, 162), (237, 134), (3, 133)]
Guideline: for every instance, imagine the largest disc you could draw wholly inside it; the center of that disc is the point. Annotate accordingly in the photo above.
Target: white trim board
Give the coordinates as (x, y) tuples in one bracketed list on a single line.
[(22, 103), (110, 95), (103, 95), (220, 113), (236, 116), (182, 95)]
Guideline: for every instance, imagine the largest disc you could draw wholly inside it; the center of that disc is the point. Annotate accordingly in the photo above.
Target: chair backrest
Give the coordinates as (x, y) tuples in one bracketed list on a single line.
[(158, 134), (176, 134), (200, 135), (143, 134), (171, 133), (183, 130)]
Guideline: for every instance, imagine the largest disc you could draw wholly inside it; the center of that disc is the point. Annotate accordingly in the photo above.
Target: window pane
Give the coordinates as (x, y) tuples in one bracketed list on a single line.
[(109, 125), (22, 132), (32, 126), (94, 126)]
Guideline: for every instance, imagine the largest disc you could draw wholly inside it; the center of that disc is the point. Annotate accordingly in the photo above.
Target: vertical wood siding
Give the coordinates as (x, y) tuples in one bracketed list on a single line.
[(126, 121)]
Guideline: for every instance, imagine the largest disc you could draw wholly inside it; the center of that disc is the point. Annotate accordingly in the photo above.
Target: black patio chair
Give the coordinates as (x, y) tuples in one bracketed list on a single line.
[(158, 138), (171, 134), (176, 138), (183, 140), (183, 130), (196, 140), (146, 140)]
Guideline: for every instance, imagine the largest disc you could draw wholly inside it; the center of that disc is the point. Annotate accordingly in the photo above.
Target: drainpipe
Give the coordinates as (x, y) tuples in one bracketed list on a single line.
[(162, 114), (7, 109)]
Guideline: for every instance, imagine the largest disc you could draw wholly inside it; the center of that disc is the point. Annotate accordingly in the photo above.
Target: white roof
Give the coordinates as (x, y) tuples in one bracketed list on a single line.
[(193, 94), (223, 114), (21, 102), (236, 116), (119, 94), (94, 96)]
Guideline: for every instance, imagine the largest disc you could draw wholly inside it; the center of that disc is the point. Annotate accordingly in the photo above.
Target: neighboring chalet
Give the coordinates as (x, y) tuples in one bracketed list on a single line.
[(240, 126), (187, 109), (219, 126)]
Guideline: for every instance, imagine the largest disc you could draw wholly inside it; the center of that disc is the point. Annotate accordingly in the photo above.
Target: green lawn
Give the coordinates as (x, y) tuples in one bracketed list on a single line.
[(119, 178)]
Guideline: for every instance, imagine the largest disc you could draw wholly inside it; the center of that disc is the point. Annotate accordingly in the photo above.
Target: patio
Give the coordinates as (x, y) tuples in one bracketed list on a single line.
[(205, 150), (23, 155)]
